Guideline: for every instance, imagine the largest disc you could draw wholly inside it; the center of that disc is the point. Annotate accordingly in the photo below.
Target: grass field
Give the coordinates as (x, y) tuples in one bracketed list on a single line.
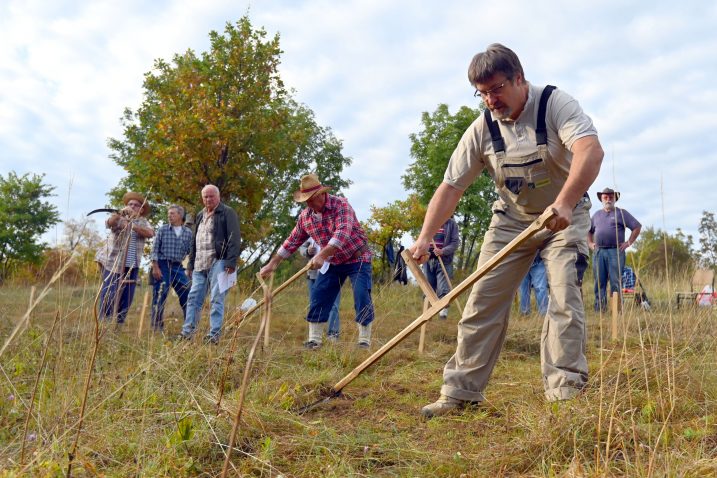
[(151, 409)]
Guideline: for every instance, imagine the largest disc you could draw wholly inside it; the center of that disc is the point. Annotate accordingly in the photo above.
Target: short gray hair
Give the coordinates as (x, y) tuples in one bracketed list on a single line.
[(211, 186), (177, 208), (495, 59)]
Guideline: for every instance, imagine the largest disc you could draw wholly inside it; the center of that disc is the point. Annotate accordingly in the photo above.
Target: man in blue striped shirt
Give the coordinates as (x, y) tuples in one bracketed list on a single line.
[(171, 245)]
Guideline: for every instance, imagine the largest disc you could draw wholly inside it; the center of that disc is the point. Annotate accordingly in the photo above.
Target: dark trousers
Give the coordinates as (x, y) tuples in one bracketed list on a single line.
[(173, 276), (328, 286), (607, 267), (117, 288)]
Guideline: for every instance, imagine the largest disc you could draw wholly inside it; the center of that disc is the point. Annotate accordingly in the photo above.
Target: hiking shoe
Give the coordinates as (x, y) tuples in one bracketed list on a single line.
[(180, 337), (445, 405), (312, 345), (211, 339), (333, 338), (363, 344), (443, 314)]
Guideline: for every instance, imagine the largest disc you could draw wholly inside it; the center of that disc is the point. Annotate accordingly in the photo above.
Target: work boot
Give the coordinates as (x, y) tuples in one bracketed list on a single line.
[(445, 405), (443, 314)]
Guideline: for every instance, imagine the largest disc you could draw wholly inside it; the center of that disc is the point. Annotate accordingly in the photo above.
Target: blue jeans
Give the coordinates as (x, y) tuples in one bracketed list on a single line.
[(201, 281), (537, 279), (435, 276), (328, 286), (607, 265), (108, 294), (173, 276), (334, 324)]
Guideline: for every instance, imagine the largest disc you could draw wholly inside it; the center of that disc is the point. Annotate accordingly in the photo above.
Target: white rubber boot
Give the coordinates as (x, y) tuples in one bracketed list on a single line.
[(364, 339), (316, 332)]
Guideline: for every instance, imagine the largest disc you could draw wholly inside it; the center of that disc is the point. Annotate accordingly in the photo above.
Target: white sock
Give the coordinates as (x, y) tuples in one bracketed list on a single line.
[(365, 333), (316, 331)]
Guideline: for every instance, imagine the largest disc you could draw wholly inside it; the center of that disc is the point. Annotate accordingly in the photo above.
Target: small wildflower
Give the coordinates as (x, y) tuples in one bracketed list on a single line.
[(32, 436)]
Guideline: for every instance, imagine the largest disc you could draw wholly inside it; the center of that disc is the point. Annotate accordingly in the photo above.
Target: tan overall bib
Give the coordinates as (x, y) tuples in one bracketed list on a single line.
[(526, 185)]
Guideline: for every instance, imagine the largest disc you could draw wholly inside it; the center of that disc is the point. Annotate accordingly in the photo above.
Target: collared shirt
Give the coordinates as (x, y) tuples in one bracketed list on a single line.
[(206, 253), (111, 253), (566, 123), (170, 247), (337, 226)]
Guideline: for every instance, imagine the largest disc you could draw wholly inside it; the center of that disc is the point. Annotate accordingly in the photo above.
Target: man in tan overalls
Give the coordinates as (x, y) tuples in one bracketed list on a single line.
[(542, 151)]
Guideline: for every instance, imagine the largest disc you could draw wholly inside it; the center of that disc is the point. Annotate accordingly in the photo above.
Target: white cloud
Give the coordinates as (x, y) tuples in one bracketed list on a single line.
[(368, 68)]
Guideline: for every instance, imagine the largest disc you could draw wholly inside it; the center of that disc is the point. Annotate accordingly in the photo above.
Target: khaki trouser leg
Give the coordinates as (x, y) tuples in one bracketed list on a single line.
[(482, 329), (562, 353)]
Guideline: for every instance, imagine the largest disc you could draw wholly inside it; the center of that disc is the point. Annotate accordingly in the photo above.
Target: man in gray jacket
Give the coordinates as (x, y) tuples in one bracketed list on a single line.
[(215, 250), (441, 250)]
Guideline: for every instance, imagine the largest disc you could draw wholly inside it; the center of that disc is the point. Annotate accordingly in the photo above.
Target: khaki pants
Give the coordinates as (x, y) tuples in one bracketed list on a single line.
[(482, 329)]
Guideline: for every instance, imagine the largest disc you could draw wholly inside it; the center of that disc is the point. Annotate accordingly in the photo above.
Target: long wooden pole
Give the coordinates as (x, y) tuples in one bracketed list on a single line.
[(431, 296), (529, 232), (238, 320)]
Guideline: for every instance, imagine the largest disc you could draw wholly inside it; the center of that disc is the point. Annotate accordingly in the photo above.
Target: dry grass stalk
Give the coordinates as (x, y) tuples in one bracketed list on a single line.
[(26, 318), (37, 381), (268, 296)]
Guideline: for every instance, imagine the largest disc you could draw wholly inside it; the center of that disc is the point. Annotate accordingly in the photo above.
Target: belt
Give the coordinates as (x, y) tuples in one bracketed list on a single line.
[(604, 247), (174, 263)]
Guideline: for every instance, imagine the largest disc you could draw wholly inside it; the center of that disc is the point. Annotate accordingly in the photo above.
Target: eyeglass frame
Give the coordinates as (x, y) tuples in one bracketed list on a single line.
[(495, 91)]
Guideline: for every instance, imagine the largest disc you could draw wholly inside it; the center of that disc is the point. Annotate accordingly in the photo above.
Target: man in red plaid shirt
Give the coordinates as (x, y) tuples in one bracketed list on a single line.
[(331, 222)]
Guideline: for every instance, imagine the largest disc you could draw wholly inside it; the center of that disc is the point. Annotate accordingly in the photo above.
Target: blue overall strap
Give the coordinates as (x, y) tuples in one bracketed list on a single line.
[(495, 136), (541, 132)]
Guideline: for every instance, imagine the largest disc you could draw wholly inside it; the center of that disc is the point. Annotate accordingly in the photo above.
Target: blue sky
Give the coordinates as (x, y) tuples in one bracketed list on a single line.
[(368, 69)]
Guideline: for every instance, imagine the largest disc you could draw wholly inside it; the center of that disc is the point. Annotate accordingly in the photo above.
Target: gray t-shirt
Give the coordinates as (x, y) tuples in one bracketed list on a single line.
[(608, 227)]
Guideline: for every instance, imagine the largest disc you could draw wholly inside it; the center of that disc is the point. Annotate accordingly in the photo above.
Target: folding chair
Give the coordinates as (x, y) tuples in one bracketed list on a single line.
[(700, 279)]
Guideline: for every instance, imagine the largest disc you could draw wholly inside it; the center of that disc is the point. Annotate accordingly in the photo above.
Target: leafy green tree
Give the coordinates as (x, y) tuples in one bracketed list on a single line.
[(708, 240), (224, 117), (389, 223), (656, 251), (432, 148), (25, 216)]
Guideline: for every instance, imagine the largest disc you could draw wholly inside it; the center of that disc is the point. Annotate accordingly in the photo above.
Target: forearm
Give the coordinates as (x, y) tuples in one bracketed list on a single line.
[(326, 252), (143, 231), (633, 235), (585, 166)]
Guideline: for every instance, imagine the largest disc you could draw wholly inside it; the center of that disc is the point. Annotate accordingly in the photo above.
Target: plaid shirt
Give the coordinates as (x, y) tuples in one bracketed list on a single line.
[(337, 226), (205, 243), (168, 247)]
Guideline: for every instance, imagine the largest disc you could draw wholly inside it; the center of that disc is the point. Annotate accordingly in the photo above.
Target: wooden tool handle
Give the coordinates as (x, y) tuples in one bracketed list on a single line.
[(535, 227)]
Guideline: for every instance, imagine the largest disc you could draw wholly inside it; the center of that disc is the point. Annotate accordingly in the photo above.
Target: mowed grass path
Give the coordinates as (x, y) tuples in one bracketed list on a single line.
[(650, 408)]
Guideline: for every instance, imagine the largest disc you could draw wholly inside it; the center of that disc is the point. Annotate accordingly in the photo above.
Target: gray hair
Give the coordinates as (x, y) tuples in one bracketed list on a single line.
[(177, 208), (211, 186), (496, 59)]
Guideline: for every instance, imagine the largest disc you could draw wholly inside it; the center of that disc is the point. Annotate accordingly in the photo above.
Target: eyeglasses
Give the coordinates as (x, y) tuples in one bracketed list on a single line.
[(495, 91)]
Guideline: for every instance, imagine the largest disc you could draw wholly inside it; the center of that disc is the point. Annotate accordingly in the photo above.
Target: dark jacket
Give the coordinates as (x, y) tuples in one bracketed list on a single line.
[(227, 237)]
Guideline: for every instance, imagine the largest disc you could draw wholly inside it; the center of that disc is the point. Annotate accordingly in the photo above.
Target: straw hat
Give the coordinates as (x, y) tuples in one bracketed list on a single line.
[(309, 185), (128, 196), (608, 191)]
